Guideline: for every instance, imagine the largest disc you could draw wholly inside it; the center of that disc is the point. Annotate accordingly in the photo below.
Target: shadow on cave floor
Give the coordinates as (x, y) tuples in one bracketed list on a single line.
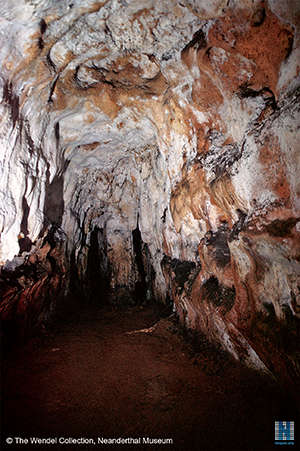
[(109, 373)]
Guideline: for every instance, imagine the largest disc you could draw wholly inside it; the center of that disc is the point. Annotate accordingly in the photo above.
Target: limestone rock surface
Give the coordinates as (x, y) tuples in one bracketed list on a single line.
[(151, 150)]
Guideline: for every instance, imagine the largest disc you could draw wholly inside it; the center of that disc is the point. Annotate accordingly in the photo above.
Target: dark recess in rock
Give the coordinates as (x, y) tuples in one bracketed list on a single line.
[(150, 271), (56, 133), (24, 222), (12, 101), (54, 196), (281, 228), (24, 242), (258, 17), (238, 225), (278, 334), (163, 218), (54, 235), (198, 41), (52, 88), (75, 286), (268, 96), (50, 63), (184, 270), (269, 307), (97, 272), (146, 273), (218, 241), (40, 43), (218, 294), (141, 285), (54, 201), (43, 26)]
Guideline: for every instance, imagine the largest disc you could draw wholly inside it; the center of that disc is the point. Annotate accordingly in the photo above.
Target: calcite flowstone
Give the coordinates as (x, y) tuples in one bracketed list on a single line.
[(152, 149)]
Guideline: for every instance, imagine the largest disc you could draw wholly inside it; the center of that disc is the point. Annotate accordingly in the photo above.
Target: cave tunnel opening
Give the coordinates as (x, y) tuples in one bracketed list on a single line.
[(144, 287), (149, 224), (117, 361), (93, 289), (141, 285), (129, 369), (97, 270)]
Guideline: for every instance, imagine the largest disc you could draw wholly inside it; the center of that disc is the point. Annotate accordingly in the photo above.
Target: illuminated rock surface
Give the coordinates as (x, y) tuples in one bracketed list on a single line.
[(151, 150)]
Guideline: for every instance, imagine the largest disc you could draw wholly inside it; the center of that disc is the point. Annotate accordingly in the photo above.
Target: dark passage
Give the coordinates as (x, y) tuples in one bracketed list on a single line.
[(97, 273), (141, 284), (131, 373)]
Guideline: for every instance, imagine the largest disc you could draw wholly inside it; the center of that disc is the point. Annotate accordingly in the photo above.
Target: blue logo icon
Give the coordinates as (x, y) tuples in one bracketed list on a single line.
[(284, 432)]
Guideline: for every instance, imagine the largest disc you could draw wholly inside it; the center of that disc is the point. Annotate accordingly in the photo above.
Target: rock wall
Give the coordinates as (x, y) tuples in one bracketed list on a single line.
[(151, 150)]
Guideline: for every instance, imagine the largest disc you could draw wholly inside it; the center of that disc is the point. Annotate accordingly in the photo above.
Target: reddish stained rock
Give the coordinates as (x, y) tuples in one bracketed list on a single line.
[(205, 93), (276, 176), (266, 44)]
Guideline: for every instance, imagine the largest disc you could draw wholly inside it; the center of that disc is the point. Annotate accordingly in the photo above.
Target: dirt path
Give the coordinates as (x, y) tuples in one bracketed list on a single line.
[(102, 375)]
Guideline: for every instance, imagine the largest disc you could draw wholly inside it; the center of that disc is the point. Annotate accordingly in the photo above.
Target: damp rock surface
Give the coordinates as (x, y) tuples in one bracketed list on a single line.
[(135, 134)]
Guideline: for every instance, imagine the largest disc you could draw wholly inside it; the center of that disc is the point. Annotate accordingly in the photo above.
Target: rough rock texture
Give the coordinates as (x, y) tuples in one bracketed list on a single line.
[(151, 149)]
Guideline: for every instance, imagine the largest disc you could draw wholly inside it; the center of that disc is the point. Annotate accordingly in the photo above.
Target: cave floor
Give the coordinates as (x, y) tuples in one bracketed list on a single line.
[(109, 373)]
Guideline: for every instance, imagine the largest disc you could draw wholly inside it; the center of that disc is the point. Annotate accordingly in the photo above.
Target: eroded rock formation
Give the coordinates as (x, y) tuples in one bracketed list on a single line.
[(151, 150)]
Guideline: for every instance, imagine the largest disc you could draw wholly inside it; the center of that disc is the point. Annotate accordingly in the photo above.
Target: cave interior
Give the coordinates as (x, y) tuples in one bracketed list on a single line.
[(149, 223)]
